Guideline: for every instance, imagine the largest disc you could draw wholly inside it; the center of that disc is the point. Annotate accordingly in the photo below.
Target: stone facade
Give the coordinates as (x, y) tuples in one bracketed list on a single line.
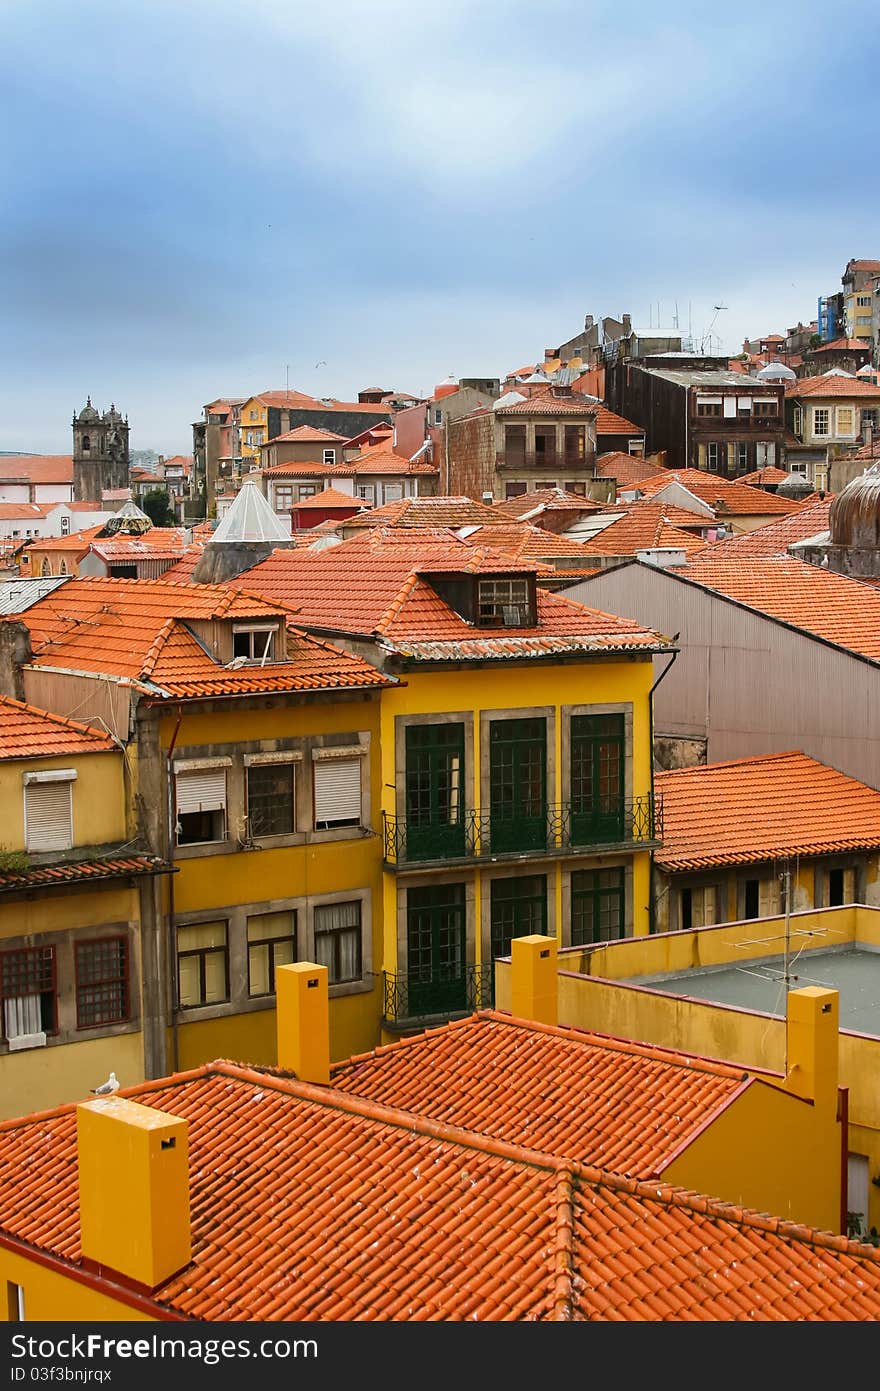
[(100, 452)]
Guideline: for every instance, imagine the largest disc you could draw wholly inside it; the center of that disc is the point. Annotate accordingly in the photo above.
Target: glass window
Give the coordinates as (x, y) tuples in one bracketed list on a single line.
[(254, 644), (202, 971), (712, 456), (201, 805), (821, 420), (519, 908), (270, 799), (504, 603), (845, 420), (329, 456), (597, 906), (27, 987), (271, 942), (338, 940), (101, 982)]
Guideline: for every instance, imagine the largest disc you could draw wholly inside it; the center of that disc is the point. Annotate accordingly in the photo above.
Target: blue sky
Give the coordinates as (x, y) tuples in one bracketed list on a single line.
[(200, 198)]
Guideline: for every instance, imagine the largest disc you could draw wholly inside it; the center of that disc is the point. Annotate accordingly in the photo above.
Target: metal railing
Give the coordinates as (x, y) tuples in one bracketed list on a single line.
[(409, 998), (561, 828)]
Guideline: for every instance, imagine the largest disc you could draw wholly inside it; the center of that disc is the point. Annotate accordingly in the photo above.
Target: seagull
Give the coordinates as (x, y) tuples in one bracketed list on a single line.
[(107, 1088)]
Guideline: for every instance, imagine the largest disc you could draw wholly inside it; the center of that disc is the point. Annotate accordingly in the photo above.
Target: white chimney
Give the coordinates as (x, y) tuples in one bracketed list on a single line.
[(662, 556)]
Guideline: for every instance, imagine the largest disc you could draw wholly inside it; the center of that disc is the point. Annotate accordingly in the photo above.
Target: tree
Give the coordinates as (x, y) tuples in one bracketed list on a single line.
[(155, 504)]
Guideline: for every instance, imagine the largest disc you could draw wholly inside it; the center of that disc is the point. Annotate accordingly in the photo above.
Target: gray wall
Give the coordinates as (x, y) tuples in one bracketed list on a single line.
[(745, 683)]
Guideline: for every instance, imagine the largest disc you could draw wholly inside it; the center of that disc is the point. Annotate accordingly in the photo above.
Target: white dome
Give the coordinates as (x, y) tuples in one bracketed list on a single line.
[(776, 372)]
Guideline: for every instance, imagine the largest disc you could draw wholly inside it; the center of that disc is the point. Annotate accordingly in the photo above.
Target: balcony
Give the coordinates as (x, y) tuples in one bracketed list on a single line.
[(560, 829), (411, 1002)]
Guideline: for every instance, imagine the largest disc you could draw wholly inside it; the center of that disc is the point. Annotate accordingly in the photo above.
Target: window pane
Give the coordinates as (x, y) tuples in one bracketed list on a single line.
[(101, 982), (271, 925), (215, 976), (188, 980), (270, 799), (201, 935), (258, 970), (338, 940)]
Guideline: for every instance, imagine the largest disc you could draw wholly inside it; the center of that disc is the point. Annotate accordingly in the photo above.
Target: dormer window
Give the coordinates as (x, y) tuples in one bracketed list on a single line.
[(254, 643), (505, 603)]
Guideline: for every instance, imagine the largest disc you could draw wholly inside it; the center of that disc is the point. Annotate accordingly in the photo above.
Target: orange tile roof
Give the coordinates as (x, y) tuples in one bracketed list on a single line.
[(764, 808), (372, 585), (426, 512), (833, 607), (134, 630), (307, 434), (12, 511), (29, 732), (545, 403), (762, 476), (78, 541), (643, 528), (329, 497), (774, 538), (626, 468), (82, 872), (842, 387), (295, 400), (607, 423), (526, 541), (624, 1107), (868, 452), (736, 499), (182, 569), (38, 468), (348, 1209), (547, 500), (843, 345), (671, 512)]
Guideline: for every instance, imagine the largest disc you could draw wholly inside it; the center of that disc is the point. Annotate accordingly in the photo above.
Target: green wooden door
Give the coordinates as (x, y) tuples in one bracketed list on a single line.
[(598, 749), (518, 785), (436, 955), (598, 911), (435, 823)]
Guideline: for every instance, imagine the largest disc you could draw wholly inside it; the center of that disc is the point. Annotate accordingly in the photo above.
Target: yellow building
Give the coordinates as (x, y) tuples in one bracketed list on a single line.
[(76, 912), (515, 768), (255, 773)]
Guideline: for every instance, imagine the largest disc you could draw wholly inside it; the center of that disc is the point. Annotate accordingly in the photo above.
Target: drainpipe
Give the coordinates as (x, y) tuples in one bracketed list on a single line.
[(172, 944), (667, 668), (843, 1117)]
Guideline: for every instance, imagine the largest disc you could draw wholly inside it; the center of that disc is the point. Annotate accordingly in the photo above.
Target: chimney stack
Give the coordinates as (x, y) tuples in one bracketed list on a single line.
[(533, 983), (812, 1044), (303, 1021), (133, 1189)]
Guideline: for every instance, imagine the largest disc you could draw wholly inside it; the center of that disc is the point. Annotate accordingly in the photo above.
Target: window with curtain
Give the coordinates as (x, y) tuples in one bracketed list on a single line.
[(202, 964), (271, 942), (338, 941), (27, 987)]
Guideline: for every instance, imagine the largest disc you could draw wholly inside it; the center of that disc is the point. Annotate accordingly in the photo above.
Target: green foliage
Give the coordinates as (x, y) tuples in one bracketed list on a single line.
[(815, 340), (155, 504), (13, 861)]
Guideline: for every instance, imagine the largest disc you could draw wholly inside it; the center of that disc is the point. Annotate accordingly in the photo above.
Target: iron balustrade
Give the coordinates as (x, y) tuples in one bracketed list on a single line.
[(440, 993), (561, 828)]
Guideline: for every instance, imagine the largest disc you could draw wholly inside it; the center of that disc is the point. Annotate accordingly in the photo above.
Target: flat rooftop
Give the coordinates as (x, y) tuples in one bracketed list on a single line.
[(758, 984)]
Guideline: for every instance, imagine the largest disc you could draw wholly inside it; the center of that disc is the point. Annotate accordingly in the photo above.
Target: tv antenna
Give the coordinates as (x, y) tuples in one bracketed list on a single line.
[(708, 334)]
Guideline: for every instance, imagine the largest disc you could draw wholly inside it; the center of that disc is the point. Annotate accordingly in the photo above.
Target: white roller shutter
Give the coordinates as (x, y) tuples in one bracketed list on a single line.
[(202, 789), (337, 791), (48, 816)]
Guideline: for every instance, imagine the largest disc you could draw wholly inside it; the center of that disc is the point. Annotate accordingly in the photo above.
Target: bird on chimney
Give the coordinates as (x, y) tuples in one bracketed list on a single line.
[(107, 1088)]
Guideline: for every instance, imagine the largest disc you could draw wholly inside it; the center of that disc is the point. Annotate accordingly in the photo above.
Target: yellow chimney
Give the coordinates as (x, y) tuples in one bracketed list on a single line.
[(303, 1021), (133, 1189), (812, 1044), (533, 984)]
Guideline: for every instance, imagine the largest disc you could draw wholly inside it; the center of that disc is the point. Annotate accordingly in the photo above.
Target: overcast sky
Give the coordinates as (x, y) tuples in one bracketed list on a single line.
[(203, 197)]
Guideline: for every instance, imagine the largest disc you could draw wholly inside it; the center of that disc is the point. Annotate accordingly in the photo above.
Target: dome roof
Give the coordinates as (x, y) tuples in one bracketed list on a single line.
[(113, 416), (794, 486), (88, 412), (776, 372), (854, 517)]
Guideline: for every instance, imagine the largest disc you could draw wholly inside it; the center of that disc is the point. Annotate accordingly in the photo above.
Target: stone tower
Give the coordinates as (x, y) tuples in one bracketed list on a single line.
[(100, 452)]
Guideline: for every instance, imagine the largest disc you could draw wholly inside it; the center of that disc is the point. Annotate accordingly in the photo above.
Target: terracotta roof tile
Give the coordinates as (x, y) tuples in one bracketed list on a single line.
[(754, 809), (371, 585), (82, 871), (644, 527), (544, 500), (774, 538), (833, 607), (546, 403), (426, 512), (762, 476), (737, 499), (835, 385), (307, 434), (328, 497), (28, 732), (608, 423), (135, 630), (38, 468), (626, 468)]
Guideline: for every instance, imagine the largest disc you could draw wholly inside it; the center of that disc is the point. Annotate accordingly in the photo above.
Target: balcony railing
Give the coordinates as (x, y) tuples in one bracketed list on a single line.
[(437, 995), (561, 829)]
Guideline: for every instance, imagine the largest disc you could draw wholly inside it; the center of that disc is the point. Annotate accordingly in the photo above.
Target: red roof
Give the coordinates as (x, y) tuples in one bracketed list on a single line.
[(81, 872), (830, 606), (372, 585), (762, 476), (628, 469), (37, 468), (308, 434), (29, 732), (642, 528), (843, 345), (135, 631), (735, 499), (607, 423), (774, 538), (545, 403), (451, 512), (755, 809), (834, 385), (330, 498), (545, 500), (341, 1208)]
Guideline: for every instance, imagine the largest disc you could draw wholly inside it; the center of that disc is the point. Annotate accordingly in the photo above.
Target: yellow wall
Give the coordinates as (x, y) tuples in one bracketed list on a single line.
[(51, 1297), (521, 689), (209, 883), (36, 1079), (98, 797), (772, 1152), (252, 451)]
